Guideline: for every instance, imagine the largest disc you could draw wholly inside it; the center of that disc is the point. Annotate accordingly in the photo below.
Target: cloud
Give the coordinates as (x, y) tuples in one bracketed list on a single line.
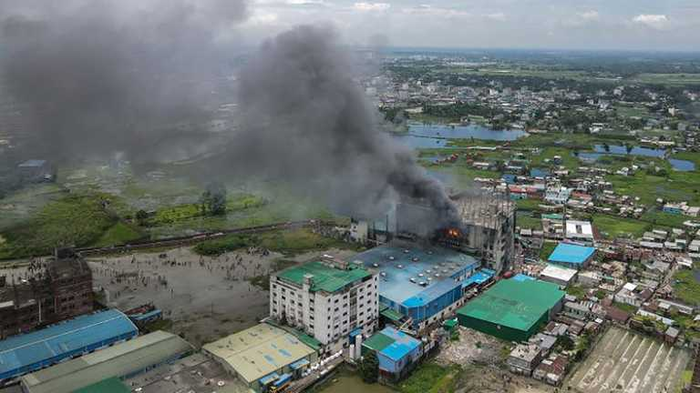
[(429, 10), (591, 15), (650, 20), (497, 16), (305, 2), (371, 6)]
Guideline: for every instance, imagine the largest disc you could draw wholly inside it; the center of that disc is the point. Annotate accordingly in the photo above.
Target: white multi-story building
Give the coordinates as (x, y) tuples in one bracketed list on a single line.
[(328, 299), (557, 195)]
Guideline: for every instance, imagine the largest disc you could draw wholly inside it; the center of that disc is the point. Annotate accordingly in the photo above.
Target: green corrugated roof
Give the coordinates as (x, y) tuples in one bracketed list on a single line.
[(326, 278), (391, 314), (111, 385), (516, 304), (378, 342), (303, 337)]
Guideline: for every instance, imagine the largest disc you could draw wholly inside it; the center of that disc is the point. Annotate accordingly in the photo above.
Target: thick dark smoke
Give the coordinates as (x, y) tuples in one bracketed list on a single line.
[(98, 76), (308, 122)]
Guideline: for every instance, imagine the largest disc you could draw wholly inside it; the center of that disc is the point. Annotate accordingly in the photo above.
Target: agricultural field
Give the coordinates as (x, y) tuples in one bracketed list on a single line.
[(628, 362)]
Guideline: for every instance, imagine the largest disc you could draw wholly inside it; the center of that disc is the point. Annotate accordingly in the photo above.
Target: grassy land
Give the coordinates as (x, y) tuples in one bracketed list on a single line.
[(529, 222), (286, 242), (430, 377), (529, 204), (547, 249), (686, 287), (119, 233), (664, 219), (75, 220), (172, 214), (628, 308), (690, 156), (577, 291), (612, 227), (678, 186)]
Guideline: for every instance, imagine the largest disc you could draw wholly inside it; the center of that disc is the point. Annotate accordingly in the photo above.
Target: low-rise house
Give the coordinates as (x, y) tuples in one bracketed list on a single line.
[(577, 310), (552, 370), (524, 358), (633, 294)]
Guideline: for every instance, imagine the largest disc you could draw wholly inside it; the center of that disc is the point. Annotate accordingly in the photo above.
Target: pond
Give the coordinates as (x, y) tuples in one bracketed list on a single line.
[(421, 136), (601, 151)]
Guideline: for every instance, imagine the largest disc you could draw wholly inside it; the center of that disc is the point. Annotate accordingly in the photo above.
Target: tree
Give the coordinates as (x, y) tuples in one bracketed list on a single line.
[(213, 200), (369, 367), (141, 217)]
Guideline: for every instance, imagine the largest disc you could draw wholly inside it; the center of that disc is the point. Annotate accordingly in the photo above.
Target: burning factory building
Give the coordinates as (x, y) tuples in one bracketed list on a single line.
[(480, 225)]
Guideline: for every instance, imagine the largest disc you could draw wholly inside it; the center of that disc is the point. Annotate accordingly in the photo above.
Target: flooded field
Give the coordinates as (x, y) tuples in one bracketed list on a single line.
[(351, 383)]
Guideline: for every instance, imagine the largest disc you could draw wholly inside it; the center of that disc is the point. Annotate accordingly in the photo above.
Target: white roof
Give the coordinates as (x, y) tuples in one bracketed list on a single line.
[(579, 229), (630, 287), (559, 273)]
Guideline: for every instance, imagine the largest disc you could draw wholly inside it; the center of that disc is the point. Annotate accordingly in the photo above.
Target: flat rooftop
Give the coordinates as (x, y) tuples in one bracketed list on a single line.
[(515, 304), (325, 277), (571, 253), (19, 352), (118, 360), (193, 374), (259, 351), (399, 262)]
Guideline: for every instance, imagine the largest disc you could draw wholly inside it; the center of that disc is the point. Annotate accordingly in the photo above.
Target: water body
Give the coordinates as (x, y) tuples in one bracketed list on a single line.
[(421, 136), (601, 151)]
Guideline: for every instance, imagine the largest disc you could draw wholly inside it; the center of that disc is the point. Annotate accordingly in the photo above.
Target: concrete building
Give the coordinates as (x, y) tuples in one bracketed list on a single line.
[(524, 359), (557, 195), (486, 227), (327, 299), (60, 290), (558, 275), (580, 231), (29, 352), (421, 282), (262, 356), (396, 351), (122, 360), (512, 310)]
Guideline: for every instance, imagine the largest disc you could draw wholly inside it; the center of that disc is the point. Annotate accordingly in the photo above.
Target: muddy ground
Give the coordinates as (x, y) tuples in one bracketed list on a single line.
[(205, 297)]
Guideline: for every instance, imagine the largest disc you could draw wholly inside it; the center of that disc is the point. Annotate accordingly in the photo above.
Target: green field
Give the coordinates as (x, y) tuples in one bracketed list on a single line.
[(288, 243), (430, 377), (75, 220), (686, 287), (611, 226), (119, 233), (679, 79)]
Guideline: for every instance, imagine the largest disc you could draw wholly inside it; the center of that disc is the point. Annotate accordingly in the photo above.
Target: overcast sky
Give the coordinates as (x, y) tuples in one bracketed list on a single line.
[(555, 24)]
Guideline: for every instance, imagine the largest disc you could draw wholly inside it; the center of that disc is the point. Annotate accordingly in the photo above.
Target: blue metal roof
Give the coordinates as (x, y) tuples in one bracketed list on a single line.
[(395, 284), (522, 277), (571, 253), (431, 293), (269, 378), (23, 353), (299, 364), (402, 346), (479, 278)]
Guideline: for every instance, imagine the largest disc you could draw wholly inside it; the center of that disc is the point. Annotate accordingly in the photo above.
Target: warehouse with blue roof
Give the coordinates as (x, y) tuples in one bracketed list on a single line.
[(29, 352), (396, 352), (423, 283), (572, 256)]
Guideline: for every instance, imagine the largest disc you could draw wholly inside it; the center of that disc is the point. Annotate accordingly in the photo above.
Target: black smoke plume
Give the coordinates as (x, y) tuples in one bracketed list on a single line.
[(307, 121), (98, 76)]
